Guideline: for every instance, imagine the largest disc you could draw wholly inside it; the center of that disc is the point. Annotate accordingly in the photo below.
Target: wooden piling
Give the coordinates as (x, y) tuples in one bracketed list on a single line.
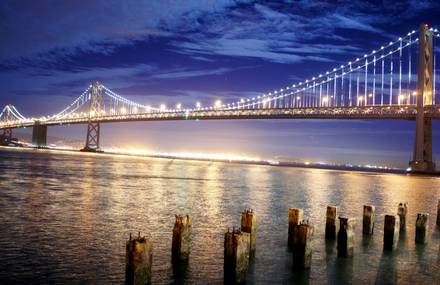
[(402, 211), (422, 227), (249, 225), (180, 248), (345, 244), (331, 223), (138, 260), (438, 213), (295, 218), (302, 246), (391, 232), (236, 256), (368, 220)]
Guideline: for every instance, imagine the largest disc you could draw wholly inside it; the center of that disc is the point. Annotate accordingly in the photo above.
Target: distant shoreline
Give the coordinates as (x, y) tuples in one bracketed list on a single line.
[(262, 162)]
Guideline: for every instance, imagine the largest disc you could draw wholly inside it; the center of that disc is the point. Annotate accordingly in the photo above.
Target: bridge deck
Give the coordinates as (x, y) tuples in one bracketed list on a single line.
[(360, 113)]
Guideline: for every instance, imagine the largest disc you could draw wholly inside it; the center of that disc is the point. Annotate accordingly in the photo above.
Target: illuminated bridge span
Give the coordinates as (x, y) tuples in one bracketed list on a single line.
[(396, 81)]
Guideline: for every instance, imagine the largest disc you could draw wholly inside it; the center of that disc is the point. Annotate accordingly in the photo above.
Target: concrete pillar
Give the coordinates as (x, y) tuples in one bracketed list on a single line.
[(391, 232), (402, 211), (236, 256), (39, 135), (249, 225), (422, 227), (331, 223), (295, 218), (346, 237), (181, 238), (138, 260), (438, 213), (302, 246), (368, 220)]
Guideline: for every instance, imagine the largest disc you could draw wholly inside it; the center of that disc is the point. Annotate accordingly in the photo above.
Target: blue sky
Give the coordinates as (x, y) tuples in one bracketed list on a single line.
[(184, 51)]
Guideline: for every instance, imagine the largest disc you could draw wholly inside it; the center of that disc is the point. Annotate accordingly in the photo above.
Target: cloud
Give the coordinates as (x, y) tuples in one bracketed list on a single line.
[(53, 31), (70, 27), (187, 73)]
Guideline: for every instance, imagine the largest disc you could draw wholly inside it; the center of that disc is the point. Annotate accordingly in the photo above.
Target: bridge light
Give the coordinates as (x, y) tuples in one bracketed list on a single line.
[(135, 109), (414, 93), (178, 106), (123, 110), (298, 98), (218, 104), (370, 95), (162, 107)]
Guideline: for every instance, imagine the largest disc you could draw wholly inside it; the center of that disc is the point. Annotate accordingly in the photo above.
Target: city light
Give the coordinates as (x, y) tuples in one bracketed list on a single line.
[(162, 107), (178, 106), (198, 105), (218, 104)]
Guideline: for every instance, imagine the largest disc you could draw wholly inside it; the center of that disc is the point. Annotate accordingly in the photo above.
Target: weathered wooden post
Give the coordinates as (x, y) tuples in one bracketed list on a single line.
[(302, 246), (422, 227), (295, 218), (438, 213), (138, 260), (249, 225), (368, 220), (181, 238), (331, 223), (402, 211), (391, 232), (236, 256), (345, 244)]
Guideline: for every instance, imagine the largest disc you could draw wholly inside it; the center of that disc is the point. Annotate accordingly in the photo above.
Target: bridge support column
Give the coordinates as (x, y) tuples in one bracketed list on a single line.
[(422, 157), (6, 136), (39, 135), (94, 128)]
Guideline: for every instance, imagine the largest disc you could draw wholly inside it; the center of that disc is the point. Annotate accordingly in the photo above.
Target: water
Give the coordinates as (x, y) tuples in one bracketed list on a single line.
[(64, 218)]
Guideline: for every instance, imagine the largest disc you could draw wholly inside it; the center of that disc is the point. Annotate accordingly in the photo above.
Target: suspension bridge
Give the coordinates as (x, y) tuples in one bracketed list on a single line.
[(395, 81)]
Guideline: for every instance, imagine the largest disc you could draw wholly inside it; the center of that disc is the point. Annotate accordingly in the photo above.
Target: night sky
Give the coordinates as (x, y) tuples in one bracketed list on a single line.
[(172, 52)]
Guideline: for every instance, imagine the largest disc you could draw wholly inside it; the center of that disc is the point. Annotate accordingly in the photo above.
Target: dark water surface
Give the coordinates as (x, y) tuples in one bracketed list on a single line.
[(64, 218)]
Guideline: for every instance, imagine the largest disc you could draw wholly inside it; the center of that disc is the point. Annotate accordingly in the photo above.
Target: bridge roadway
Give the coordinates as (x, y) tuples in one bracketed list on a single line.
[(402, 112)]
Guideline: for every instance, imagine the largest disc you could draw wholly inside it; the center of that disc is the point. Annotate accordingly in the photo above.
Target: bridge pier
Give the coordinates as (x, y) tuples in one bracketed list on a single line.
[(6, 136), (39, 135), (422, 157)]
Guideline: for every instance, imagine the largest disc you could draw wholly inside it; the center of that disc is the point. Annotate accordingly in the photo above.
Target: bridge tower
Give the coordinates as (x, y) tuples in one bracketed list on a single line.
[(95, 110), (422, 157), (6, 135)]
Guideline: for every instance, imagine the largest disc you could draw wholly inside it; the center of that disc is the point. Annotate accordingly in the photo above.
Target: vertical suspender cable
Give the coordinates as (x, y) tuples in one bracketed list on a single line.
[(334, 93), (374, 80), (320, 95), (391, 80), (349, 86), (366, 82), (400, 72), (357, 87), (342, 88), (383, 78)]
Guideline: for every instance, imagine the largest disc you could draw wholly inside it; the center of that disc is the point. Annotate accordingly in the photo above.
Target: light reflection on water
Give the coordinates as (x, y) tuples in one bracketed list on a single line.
[(65, 217)]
